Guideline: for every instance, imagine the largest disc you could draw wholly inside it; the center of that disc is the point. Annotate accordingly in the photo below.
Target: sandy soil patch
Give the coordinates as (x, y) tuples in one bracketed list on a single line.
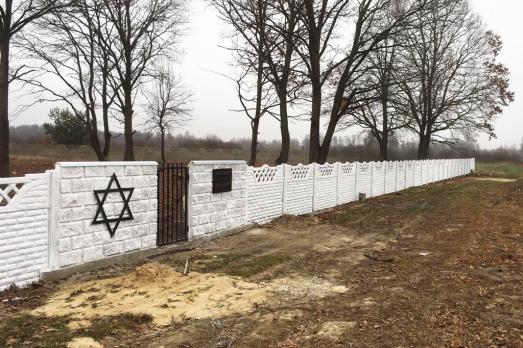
[(495, 179), (335, 329), (157, 290), (169, 296), (83, 342), (298, 286)]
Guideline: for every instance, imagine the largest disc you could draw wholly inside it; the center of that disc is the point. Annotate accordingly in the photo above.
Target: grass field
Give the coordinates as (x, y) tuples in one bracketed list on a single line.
[(510, 170), (59, 153), (433, 266)]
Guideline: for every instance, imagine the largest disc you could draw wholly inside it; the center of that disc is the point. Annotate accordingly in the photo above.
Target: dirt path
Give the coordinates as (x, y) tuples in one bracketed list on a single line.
[(440, 265)]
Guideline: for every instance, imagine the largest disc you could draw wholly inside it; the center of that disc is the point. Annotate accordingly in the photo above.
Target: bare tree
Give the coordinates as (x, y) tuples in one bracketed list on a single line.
[(249, 20), (167, 106), (375, 111), (66, 46), (14, 17), (283, 30), (454, 86), (334, 70), (137, 33)]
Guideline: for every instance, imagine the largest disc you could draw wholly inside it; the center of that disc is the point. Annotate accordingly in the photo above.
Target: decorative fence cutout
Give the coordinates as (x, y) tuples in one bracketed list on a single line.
[(8, 192)]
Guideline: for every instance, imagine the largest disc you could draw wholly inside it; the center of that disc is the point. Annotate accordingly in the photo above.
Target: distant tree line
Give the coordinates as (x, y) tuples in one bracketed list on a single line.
[(362, 147)]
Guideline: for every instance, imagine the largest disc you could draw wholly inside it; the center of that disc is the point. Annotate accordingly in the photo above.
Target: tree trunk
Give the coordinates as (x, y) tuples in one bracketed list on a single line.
[(314, 135), (162, 144), (254, 141), (384, 148), (95, 144), (107, 137), (4, 106), (323, 153), (129, 146), (423, 147), (128, 127), (105, 114), (384, 139), (284, 129)]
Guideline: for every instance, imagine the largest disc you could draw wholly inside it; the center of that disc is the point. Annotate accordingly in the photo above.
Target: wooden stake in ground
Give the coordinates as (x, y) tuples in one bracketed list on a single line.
[(185, 271)]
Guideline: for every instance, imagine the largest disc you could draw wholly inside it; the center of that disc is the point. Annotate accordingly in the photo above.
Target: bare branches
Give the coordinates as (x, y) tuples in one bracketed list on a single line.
[(65, 46), (168, 105), (15, 16), (453, 84), (250, 22), (136, 34)]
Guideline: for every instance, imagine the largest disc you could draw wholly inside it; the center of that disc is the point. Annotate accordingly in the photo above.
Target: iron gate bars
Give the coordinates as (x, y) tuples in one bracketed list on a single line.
[(172, 203)]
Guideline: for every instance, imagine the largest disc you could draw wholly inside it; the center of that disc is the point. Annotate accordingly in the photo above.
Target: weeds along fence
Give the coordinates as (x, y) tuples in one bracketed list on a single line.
[(304, 189)]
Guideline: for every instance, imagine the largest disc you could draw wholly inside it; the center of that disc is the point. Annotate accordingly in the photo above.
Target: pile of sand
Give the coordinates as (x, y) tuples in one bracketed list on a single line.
[(151, 271), (157, 290), (169, 296)]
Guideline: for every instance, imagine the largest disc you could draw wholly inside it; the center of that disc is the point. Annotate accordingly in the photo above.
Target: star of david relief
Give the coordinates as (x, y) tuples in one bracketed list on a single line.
[(101, 197)]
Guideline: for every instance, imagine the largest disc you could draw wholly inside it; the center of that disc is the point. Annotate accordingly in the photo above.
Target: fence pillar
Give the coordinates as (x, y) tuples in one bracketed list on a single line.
[(385, 171), (356, 170), (284, 189), (371, 178), (338, 167), (313, 187), (53, 220)]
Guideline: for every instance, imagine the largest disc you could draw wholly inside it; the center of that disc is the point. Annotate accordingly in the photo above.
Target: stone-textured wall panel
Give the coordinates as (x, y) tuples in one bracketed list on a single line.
[(211, 213), (80, 240)]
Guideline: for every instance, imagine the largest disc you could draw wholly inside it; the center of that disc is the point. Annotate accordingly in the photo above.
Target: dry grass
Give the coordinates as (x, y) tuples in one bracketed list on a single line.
[(22, 165)]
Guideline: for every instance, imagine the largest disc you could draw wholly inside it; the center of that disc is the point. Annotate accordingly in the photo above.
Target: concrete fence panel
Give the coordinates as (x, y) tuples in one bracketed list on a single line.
[(24, 211)]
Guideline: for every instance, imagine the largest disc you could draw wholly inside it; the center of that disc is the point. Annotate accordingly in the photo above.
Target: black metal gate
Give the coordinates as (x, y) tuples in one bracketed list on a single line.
[(172, 203)]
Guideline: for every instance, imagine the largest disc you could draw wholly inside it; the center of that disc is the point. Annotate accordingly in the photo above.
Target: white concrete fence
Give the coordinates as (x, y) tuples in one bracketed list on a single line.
[(46, 220), (262, 194)]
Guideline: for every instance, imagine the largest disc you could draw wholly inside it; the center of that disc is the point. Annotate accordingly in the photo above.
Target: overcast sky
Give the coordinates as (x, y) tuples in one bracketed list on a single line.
[(215, 95)]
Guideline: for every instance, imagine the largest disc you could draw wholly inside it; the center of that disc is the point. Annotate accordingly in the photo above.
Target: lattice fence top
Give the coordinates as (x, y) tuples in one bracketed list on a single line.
[(8, 192), (348, 168), (299, 172), (326, 169), (265, 173), (364, 168)]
